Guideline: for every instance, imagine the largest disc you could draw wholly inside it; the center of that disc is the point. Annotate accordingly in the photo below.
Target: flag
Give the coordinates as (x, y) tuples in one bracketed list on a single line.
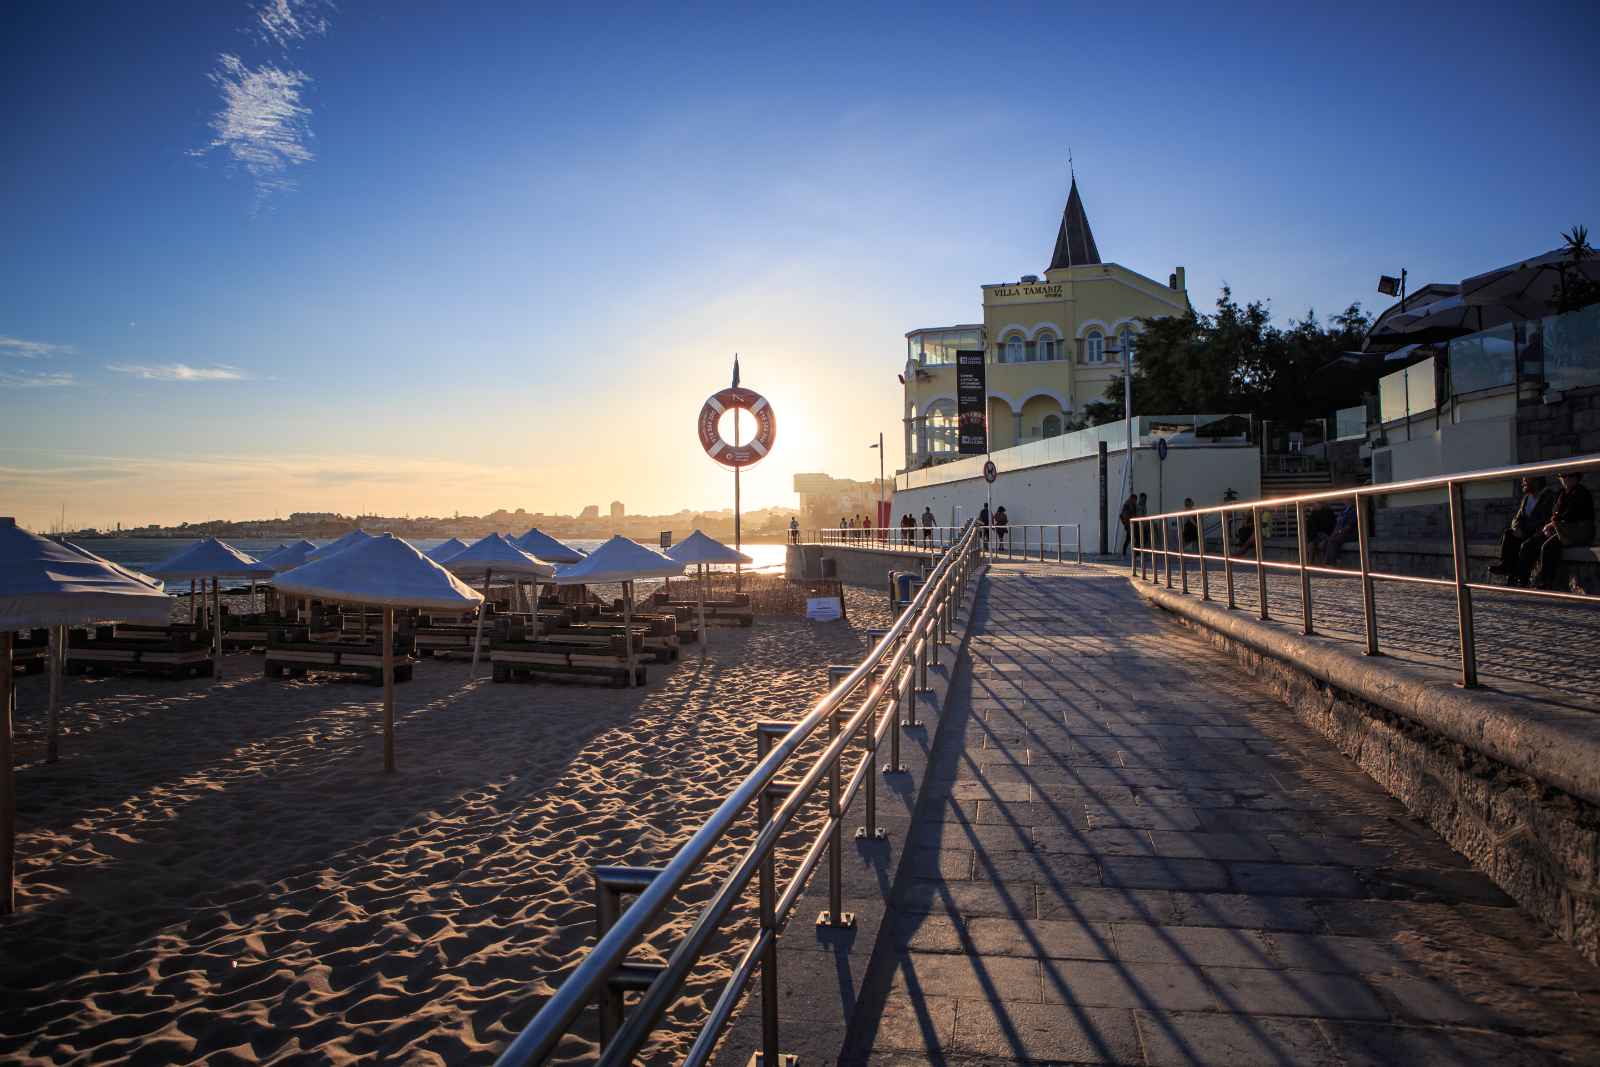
[(736, 370)]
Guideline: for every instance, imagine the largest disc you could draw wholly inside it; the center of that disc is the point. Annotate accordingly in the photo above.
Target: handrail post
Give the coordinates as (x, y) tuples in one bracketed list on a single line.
[(1183, 562), (768, 890), (1458, 552), (610, 884), (1200, 543), (1369, 604), (1077, 533), (1060, 552), (902, 694), (1041, 544), (1227, 556), (1166, 551), (1261, 569), (835, 916), (870, 830), (1305, 575)]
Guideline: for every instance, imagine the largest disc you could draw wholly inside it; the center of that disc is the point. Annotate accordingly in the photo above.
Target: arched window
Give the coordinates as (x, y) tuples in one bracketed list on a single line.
[(1014, 350), (1094, 347), (1051, 427), (942, 427), (1125, 342), (1047, 347)]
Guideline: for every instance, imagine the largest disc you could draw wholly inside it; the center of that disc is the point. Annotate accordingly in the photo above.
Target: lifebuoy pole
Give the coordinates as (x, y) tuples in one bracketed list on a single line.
[(737, 537)]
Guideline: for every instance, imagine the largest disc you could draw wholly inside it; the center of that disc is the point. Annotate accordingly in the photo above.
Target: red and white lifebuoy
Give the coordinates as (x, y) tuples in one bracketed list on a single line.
[(750, 402)]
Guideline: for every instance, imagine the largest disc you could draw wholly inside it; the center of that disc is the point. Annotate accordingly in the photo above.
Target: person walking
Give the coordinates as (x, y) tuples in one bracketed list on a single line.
[(866, 529), (1001, 527), (927, 527), (983, 525), (1130, 509)]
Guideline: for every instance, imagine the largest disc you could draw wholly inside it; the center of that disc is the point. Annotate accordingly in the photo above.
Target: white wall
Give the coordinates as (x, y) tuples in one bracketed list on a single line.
[(1474, 445), (1069, 491)]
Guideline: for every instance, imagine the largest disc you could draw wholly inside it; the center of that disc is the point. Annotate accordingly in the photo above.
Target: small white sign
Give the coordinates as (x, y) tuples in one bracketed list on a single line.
[(824, 609)]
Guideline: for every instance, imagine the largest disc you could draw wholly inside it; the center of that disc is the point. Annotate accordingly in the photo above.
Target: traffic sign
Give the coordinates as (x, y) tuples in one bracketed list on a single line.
[(1161, 449), (990, 472)]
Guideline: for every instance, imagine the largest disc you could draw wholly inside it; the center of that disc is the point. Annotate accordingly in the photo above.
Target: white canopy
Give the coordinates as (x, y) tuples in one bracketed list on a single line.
[(43, 583), (495, 554), (1533, 286), (619, 560), (541, 545), (354, 537), (210, 558), (441, 552), (384, 571), (287, 557), (698, 548)]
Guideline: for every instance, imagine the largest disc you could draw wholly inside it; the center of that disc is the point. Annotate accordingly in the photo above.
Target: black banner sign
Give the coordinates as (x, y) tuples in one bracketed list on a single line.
[(972, 403)]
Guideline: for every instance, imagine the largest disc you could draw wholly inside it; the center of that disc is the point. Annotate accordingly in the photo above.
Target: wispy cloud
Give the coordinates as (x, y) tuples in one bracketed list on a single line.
[(262, 125), (16, 346), (286, 22), (21, 379), (180, 372)]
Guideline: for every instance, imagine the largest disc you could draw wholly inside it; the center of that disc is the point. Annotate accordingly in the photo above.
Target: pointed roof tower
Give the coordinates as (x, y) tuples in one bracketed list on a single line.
[(1075, 242)]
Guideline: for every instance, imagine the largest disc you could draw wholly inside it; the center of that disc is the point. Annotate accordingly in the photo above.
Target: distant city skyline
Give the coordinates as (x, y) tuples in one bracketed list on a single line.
[(305, 256)]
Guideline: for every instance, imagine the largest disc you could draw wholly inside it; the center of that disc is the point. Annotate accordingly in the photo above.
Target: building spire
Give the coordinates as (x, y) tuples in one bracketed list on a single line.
[(1075, 241)]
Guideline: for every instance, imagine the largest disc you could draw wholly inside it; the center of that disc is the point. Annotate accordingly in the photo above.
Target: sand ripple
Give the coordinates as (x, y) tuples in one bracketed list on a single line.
[(222, 873)]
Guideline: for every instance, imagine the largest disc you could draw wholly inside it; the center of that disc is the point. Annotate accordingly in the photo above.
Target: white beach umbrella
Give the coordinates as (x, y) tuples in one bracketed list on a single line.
[(494, 554), (288, 557), (443, 551), (388, 572), (216, 560), (349, 540), (43, 583), (620, 560), (699, 550), (1532, 287), (541, 545)]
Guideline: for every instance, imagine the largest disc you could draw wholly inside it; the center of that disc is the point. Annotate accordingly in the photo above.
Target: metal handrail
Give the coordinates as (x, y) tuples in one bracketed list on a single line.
[(1157, 562), (902, 653), (1012, 540)]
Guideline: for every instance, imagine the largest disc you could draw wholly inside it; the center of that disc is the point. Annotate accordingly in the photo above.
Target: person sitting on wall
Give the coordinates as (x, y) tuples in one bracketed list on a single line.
[(1571, 525), (1002, 525), (927, 527), (1344, 528), (1244, 538), (1533, 514), (1130, 508), (983, 525), (1320, 522)]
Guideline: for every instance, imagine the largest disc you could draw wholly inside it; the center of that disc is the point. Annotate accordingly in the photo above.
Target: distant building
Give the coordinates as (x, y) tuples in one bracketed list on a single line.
[(1049, 346), (824, 500), (590, 512), (617, 510)]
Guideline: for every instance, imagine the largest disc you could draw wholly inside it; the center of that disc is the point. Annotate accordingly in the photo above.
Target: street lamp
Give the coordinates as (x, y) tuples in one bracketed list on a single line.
[(882, 520)]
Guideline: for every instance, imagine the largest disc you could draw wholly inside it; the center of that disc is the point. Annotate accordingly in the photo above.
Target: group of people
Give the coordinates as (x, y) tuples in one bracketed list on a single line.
[(856, 529), (1546, 522), (999, 524)]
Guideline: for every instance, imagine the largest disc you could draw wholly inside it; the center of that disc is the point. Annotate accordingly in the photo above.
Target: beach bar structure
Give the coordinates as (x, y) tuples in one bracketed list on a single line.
[(216, 560), (389, 573), (43, 583), (488, 556), (620, 560)]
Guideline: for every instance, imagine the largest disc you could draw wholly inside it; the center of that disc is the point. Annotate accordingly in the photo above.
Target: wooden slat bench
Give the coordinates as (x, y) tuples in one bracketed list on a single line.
[(178, 654), (544, 661), (363, 659)]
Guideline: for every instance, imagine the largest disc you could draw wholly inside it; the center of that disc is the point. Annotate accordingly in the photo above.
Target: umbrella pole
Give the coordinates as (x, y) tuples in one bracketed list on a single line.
[(700, 584), (58, 652), (388, 689), (483, 609), (8, 782), (627, 626), (191, 601), (216, 627)]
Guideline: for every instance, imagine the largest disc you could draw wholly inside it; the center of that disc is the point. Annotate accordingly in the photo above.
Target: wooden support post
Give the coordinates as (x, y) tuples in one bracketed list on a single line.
[(8, 781), (388, 688), (483, 610), (216, 627), (55, 658)]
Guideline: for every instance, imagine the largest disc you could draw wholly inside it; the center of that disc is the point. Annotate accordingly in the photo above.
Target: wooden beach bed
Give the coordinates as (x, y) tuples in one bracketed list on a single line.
[(544, 660), (290, 654), (172, 652)]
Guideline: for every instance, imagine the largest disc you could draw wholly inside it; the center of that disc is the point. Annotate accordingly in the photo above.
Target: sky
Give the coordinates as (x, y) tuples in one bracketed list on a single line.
[(277, 256)]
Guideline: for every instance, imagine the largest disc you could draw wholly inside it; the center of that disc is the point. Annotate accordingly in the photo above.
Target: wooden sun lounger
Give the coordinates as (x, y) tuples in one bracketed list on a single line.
[(364, 660), (176, 655), (544, 661)]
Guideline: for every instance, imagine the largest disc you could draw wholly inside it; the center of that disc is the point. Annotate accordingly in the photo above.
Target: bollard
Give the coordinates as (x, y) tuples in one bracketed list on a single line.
[(1458, 549)]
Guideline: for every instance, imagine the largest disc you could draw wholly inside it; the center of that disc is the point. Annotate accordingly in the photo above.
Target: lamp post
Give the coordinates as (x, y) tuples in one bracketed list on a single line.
[(879, 446)]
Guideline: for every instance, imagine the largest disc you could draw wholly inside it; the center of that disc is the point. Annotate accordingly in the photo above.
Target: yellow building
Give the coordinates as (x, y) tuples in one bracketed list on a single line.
[(1050, 345)]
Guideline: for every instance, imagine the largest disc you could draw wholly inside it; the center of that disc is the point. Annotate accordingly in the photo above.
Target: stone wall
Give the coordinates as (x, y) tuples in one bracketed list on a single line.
[(1567, 427)]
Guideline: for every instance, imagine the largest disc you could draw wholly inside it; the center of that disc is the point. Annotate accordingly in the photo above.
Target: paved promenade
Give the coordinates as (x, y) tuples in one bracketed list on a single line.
[(1129, 852)]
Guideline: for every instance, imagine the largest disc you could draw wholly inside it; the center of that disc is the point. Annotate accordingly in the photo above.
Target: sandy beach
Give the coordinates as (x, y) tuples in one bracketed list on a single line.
[(221, 872)]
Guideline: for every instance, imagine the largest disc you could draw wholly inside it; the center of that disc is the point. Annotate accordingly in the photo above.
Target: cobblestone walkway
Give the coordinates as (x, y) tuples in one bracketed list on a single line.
[(1545, 643), (1130, 853)]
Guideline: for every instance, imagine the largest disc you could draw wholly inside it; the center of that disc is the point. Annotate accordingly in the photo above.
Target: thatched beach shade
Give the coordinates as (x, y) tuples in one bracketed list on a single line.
[(489, 556), (442, 552), (388, 572), (620, 560), (216, 560), (43, 583), (698, 550)]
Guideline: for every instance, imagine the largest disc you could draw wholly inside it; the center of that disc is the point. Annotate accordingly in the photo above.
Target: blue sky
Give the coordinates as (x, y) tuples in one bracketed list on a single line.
[(510, 249)]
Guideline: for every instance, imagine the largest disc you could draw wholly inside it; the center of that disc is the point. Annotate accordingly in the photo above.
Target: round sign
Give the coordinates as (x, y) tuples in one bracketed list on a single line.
[(1161, 449), (990, 473), (733, 455)]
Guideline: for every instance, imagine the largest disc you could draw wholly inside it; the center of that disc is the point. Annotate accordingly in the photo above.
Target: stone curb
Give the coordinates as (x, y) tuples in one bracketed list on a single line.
[(1556, 746)]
